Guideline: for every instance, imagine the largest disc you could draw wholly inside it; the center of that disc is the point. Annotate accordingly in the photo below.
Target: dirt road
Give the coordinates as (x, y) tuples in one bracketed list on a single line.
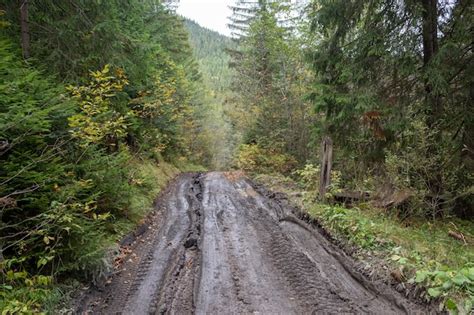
[(218, 246)]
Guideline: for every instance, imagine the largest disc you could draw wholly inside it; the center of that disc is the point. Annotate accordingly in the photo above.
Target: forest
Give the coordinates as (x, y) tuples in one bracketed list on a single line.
[(103, 102)]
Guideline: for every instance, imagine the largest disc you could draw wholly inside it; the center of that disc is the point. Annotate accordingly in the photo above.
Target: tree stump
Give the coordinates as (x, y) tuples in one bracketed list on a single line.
[(326, 166)]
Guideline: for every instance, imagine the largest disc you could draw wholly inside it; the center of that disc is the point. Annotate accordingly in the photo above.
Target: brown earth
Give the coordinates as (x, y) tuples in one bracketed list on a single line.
[(218, 245)]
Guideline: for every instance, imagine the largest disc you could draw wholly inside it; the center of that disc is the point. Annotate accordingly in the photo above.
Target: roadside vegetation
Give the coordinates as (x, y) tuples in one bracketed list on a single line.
[(390, 83), (435, 256), (97, 114), (421, 252)]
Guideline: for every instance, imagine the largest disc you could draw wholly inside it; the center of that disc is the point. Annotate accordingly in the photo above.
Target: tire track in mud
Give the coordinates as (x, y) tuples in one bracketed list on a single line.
[(303, 275), (137, 284), (177, 290), (222, 247)]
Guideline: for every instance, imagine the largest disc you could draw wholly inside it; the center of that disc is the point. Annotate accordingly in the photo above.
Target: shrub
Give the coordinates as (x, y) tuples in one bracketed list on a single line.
[(309, 176), (410, 167), (56, 197), (253, 158)]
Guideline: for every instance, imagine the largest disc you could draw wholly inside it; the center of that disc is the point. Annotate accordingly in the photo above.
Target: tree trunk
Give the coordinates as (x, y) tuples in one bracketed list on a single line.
[(430, 29), (25, 32), (432, 98)]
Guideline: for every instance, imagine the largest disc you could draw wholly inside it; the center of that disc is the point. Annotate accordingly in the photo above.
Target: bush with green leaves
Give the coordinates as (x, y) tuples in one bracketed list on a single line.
[(408, 168), (452, 287), (256, 159), (48, 225), (309, 176), (21, 293)]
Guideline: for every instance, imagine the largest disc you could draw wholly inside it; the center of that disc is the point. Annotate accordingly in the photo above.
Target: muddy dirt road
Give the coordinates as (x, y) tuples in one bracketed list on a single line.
[(218, 246)]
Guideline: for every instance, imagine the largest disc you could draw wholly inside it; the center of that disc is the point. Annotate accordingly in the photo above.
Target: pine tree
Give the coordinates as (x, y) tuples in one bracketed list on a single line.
[(384, 71), (267, 65)]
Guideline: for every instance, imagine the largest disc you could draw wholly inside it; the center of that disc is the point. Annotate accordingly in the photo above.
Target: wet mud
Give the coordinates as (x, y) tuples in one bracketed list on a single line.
[(219, 245)]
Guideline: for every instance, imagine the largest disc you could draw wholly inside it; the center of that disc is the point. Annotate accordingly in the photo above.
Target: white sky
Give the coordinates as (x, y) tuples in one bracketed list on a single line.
[(212, 14)]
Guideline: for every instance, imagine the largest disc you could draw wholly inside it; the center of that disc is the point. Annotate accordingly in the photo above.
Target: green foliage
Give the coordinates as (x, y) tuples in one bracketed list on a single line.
[(424, 255), (407, 172), (427, 263), (386, 104), (165, 110), (356, 229), (445, 282), (24, 294), (271, 78), (145, 40), (97, 122), (309, 176), (72, 38), (70, 183), (255, 159), (45, 215), (453, 287)]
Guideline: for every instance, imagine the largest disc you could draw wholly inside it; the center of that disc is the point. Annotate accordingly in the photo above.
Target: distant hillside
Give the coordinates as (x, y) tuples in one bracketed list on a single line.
[(210, 51)]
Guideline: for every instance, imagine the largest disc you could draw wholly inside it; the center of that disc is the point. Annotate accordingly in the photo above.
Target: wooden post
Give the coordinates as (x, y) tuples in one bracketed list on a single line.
[(326, 166)]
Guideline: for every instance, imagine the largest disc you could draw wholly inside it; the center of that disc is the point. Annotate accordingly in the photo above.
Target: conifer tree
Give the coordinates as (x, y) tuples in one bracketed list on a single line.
[(267, 63), (388, 70)]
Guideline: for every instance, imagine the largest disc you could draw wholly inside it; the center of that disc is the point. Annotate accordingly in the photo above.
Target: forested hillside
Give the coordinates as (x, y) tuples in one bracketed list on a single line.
[(211, 51)]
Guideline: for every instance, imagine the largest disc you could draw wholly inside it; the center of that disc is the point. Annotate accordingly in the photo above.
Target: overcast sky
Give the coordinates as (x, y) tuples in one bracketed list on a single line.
[(212, 14)]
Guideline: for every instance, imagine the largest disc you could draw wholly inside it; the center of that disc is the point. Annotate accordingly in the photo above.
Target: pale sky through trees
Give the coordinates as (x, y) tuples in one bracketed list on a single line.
[(212, 14)]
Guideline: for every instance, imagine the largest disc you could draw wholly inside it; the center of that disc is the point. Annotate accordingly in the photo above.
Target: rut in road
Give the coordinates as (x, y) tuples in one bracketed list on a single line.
[(217, 246)]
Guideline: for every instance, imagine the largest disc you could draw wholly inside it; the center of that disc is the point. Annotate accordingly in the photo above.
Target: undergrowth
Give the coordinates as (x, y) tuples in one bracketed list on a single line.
[(420, 250), (26, 293)]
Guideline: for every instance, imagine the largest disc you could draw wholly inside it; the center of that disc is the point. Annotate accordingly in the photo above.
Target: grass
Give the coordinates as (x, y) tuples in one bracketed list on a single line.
[(421, 250), (369, 227)]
